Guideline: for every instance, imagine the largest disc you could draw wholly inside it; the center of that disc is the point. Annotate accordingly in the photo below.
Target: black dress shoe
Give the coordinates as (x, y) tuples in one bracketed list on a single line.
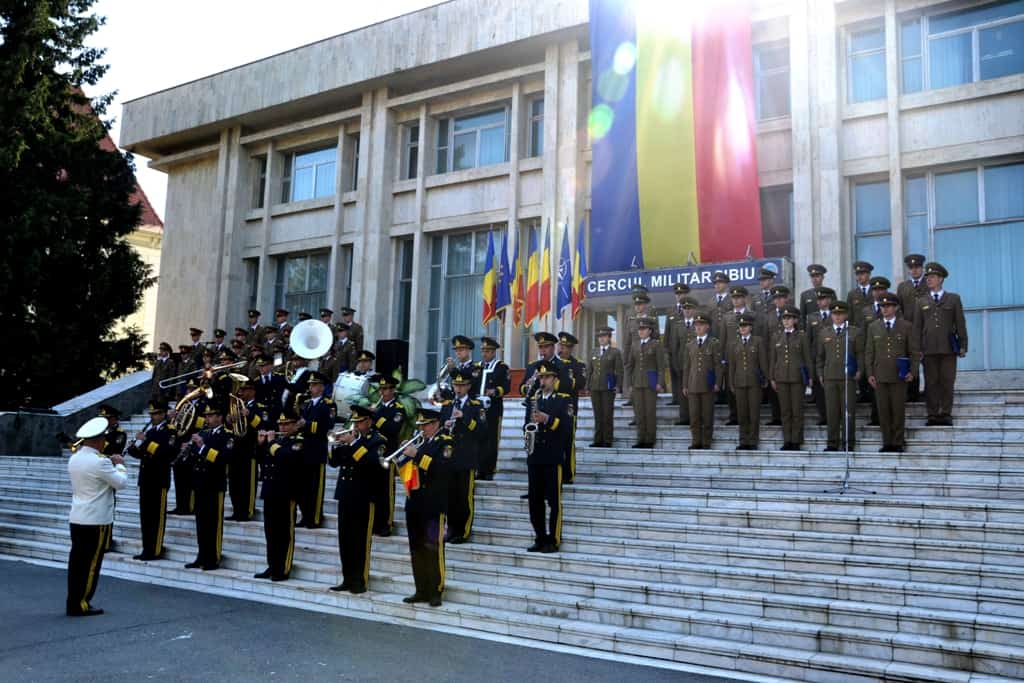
[(458, 540), (357, 589), (785, 447), (194, 565), (595, 445), (823, 423), (633, 423), (313, 526), (91, 612), (211, 567), (535, 548), (648, 445), (383, 533), (732, 423), (774, 423), (340, 587), (694, 447), (672, 403), (874, 423), (884, 449), (549, 548), (435, 601), (637, 445), (265, 574), (415, 597), (830, 449), (142, 556), (279, 577), (525, 496)]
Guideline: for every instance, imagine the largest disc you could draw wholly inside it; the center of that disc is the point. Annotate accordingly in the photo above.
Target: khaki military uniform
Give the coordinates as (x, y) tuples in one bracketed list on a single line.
[(789, 366), (747, 362), (702, 381), (808, 302), (647, 366), (858, 299), (718, 309), (730, 335), (761, 301), (355, 335), (814, 325), (604, 377), (841, 413), (908, 293), (677, 335), (631, 336), (883, 346), (938, 325)]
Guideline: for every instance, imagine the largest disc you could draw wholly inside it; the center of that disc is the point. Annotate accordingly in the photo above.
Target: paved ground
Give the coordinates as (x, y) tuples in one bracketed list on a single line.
[(152, 632)]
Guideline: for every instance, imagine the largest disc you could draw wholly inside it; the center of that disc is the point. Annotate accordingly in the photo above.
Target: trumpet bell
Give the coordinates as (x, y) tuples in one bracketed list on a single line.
[(311, 339)]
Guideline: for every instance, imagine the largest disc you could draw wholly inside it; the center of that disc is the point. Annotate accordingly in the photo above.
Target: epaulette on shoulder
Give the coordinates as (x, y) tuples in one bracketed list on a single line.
[(447, 437), (562, 395), (475, 402), (446, 402)]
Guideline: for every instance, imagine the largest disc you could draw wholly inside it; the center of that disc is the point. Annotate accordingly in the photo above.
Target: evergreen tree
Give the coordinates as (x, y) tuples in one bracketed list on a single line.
[(67, 275)]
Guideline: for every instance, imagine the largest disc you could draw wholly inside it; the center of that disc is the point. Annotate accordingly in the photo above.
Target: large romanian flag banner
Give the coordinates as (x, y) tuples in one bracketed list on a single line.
[(672, 127)]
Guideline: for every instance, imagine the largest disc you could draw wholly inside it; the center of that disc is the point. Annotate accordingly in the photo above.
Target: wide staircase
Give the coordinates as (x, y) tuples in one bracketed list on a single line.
[(747, 562)]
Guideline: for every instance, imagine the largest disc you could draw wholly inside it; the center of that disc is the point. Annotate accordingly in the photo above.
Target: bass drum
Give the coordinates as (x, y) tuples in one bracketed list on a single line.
[(348, 387)]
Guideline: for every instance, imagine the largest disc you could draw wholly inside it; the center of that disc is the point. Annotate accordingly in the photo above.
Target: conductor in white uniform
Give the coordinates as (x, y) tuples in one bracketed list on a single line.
[(94, 478)]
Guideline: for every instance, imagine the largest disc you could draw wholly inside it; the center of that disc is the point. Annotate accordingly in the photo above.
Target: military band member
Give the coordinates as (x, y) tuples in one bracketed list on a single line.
[(791, 369), (941, 331), (154, 446), (254, 331), (683, 332), (355, 331), (605, 381), (462, 348), (297, 389), (578, 370), (675, 343), (647, 366), (388, 421), (280, 452), (747, 363), (211, 451), (551, 412), (909, 291), (185, 362), (466, 420), (816, 324), (839, 363), (94, 478), (631, 333), (808, 301), (426, 506), (357, 455), (275, 343), (889, 346), (242, 335), (184, 491), (304, 316), (269, 386), (702, 381), (115, 437), (364, 363), (546, 354), (496, 385), (762, 302), (341, 357), (242, 473), (318, 415), (164, 368), (860, 295)]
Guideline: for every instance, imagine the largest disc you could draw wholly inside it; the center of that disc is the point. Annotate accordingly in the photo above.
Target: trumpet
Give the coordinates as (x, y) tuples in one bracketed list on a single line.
[(334, 436), (178, 380), (415, 440)]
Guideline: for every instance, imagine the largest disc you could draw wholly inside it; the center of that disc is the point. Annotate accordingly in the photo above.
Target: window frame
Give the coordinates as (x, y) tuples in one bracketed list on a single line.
[(446, 151), (773, 191), (855, 235), (259, 181), (408, 170), (535, 140), (288, 179), (760, 73), (281, 292), (873, 25), (353, 140)]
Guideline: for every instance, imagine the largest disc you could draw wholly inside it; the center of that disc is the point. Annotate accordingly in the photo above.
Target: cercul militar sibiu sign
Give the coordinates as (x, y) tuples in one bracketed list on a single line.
[(744, 272)]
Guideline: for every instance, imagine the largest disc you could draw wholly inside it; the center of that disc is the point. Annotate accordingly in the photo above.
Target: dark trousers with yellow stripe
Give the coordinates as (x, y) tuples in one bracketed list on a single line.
[(152, 519), (545, 486), (489, 453), (461, 490), (569, 468), (426, 546), (184, 495), (88, 543), (355, 537), (209, 526), (279, 530), (312, 501), (384, 499), (242, 486)]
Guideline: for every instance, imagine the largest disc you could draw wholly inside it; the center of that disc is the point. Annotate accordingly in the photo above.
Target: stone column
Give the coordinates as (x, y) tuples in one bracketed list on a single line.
[(892, 102), (804, 246)]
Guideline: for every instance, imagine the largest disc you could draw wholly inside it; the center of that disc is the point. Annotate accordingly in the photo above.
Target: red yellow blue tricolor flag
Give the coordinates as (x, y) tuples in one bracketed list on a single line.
[(673, 134), (490, 285), (532, 282), (544, 305), (504, 297), (518, 287), (579, 274)]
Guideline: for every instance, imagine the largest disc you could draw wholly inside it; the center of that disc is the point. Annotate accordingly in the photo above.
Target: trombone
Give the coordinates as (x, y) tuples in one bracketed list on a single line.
[(183, 378), (395, 458)]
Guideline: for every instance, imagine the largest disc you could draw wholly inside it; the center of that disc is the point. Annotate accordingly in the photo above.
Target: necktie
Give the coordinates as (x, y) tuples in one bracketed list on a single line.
[(603, 349), (700, 342), (744, 341), (689, 324), (936, 297), (839, 330), (823, 314), (865, 290), (888, 325)]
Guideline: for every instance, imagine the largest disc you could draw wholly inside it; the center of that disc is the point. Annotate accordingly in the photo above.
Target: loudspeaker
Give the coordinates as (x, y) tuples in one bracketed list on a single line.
[(391, 354)]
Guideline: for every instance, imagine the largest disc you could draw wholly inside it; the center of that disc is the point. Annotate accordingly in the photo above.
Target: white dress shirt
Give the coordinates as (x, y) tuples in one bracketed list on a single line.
[(93, 482)]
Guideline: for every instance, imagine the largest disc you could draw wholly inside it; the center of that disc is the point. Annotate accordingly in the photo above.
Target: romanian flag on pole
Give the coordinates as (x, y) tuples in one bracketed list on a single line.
[(544, 306), (532, 282), (490, 287), (673, 131), (504, 297), (579, 274), (518, 287)]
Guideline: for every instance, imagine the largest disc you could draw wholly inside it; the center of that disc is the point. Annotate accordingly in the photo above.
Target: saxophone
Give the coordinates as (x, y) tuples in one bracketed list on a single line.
[(530, 428)]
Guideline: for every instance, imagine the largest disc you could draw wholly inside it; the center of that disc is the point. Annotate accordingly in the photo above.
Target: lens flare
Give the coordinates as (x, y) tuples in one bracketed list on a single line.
[(600, 121), (624, 59)]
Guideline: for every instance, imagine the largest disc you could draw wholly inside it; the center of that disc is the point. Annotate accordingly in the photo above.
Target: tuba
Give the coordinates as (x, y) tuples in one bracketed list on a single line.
[(311, 339), (441, 385)]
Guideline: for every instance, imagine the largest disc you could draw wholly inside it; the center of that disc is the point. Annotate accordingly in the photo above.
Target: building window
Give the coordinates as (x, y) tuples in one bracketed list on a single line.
[(777, 221), (404, 287), (865, 58), (252, 281), (472, 140), (309, 174), (872, 226), (975, 224), (410, 150), (345, 270), (456, 299), (536, 137), (915, 215), (301, 284), (259, 181), (964, 46), (352, 181), (771, 79)]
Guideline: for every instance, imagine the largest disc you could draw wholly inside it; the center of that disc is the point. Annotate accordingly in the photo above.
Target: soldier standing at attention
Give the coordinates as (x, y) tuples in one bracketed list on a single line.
[(355, 330), (605, 380), (869, 313), (646, 365), (762, 303), (909, 291), (154, 447), (631, 333), (578, 370), (702, 381), (941, 332), (860, 295), (791, 370), (772, 325), (683, 332), (254, 332), (747, 366), (280, 454), (816, 324), (840, 359), (729, 335), (551, 412), (163, 368), (389, 418), (889, 346), (808, 302), (318, 416), (720, 304), (496, 385), (675, 343), (466, 420)]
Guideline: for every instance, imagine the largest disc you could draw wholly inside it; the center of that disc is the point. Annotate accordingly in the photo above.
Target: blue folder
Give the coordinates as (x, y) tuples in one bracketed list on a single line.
[(805, 375), (851, 365), (902, 367), (652, 379), (711, 379), (954, 343), (610, 381)]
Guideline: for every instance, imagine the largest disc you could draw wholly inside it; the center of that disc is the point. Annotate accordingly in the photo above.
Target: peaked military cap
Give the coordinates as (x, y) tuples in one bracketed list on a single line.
[(427, 415), (649, 323), (681, 288), (107, 410), (862, 267), (935, 268), (880, 282), (816, 269), (545, 368), (766, 274), (779, 290), (366, 355), (253, 313), (545, 339), (195, 331), (604, 331), (889, 299), (304, 316), (721, 277), (489, 343), (840, 307), (164, 346), (347, 310), (324, 312), (385, 381), (567, 339), (155, 407), (825, 292), (316, 378), (791, 312), (738, 290), (702, 318), (641, 298), (359, 413), (462, 376), (746, 319), (281, 312), (690, 302), (460, 341), (914, 260)]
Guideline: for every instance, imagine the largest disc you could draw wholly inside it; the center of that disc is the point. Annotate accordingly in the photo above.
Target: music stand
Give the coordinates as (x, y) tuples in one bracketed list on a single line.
[(844, 485)]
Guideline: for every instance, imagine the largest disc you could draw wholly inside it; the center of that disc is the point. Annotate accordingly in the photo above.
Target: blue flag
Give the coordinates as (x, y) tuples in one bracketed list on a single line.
[(564, 277), (504, 299)]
